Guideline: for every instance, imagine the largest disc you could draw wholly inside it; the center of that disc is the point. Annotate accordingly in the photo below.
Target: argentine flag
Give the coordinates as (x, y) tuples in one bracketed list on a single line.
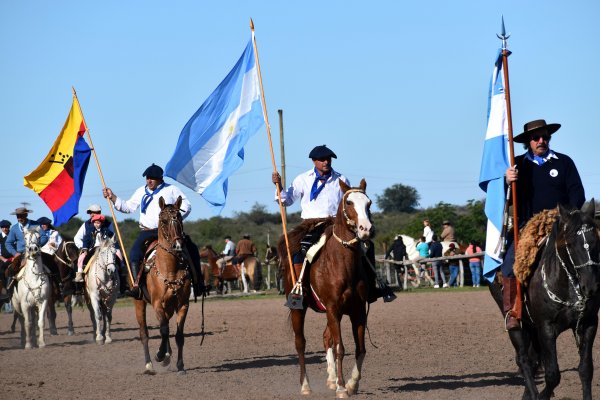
[(211, 145), (493, 166)]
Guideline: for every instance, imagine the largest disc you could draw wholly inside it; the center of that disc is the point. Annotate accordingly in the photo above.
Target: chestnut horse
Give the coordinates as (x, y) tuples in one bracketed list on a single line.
[(562, 293), (230, 273), (339, 281), (167, 288)]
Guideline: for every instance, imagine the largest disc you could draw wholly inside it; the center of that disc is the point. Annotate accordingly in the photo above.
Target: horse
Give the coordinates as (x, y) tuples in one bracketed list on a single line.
[(339, 284), (563, 292), (32, 292), (413, 255), (167, 287), (272, 257), (222, 279), (102, 287), (62, 263)]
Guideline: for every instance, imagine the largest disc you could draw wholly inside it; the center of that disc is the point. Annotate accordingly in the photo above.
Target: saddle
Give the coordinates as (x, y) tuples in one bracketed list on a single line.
[(531, 240)]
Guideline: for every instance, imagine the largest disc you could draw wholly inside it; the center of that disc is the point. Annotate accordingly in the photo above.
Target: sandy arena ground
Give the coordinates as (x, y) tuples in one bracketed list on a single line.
[(430, 345)]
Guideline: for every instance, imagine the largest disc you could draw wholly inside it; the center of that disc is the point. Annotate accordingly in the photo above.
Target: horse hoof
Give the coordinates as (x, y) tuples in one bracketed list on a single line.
[(41, 345), (70, 332), (352, 389), (53, 332), (28, 347), (166, 361), (181, 373), (341, 394), (331, 385), (108, 340), (149, 369), (305, 392)]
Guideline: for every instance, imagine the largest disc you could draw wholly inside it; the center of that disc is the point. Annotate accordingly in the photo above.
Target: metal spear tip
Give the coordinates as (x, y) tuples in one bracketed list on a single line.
[(251, 24), (503, 35)]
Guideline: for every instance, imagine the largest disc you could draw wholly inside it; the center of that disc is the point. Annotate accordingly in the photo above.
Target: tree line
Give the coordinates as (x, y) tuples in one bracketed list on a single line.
[(399, 215)]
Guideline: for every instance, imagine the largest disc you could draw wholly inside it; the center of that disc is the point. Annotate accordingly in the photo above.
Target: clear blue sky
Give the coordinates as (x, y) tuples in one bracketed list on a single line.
[(397, 89)]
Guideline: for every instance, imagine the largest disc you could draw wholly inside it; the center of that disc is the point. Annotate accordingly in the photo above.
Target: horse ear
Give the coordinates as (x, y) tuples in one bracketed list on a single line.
[(589, 208), (562, 211), (161, 202), (343, 186), (363, 185), (178, 202)]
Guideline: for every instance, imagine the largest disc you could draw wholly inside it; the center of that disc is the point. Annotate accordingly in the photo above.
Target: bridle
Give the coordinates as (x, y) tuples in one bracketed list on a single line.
[(62, 248), (573, 277), (102, 264), (350, 223), (172, 232)]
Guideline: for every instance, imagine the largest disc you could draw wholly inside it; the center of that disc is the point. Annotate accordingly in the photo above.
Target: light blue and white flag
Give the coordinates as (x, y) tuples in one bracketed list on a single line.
[(493, 166), (211, 145)]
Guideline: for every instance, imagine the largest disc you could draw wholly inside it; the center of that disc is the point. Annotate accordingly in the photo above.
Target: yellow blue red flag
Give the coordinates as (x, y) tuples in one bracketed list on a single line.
[(58, 180)]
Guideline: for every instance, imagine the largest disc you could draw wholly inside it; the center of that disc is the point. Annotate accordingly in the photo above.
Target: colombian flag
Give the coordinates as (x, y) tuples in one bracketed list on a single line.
[(59, 178)]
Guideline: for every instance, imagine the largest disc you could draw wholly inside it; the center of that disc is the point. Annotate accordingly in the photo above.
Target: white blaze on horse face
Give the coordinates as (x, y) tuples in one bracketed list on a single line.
[(361, 204)]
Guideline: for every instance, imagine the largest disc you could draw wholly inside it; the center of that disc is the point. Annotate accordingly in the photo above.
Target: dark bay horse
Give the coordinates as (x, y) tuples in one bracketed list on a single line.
[(168, 286), (272, 258), (231, 273), (340, 283), (563, 293), (62, 265)]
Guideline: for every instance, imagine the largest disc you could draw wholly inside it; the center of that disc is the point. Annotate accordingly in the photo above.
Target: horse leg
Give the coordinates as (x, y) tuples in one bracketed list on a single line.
[(586, 363), (52, 315), (179, 338), (69, 309), (243, 278), (140, 314), (333, 323), (163, 355), (108, 322), (358, 318), (328, 345), (14, 323), (96, 316), (551, 370), (298, 317), (521, 341), (40, 323), (28, 324)]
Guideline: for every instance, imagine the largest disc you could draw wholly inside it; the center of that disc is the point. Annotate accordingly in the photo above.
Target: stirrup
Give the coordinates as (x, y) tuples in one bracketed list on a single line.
[(512, 328), (135, 292)]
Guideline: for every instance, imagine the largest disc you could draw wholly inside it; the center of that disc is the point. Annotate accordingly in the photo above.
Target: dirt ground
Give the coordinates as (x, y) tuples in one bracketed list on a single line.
[(438, 344)]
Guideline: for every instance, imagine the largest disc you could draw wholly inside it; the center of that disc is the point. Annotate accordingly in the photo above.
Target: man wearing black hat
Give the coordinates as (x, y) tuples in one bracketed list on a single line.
[(146, 198), (319, 192), (544, 179), (5, 258)]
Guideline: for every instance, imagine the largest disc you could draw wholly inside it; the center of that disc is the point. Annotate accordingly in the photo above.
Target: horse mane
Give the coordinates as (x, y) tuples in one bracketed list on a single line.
[(536, 230)]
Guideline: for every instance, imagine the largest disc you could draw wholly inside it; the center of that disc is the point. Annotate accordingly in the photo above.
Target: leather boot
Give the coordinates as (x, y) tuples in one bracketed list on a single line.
[(509, 294), (135, 291)]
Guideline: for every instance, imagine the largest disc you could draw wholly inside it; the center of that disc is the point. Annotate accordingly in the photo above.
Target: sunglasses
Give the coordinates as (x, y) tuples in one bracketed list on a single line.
[(536, 137)]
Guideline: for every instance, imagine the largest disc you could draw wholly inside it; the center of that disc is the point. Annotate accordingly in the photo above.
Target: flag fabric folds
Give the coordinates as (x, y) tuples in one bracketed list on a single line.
[(211, 145), (493, 166), (59, 179)]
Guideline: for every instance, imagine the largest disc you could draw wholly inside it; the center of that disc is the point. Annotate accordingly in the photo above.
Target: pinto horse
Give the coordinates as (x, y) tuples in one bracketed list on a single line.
[(231, 273), (168, 287), (339, 282), (562, 293), (62, 264)]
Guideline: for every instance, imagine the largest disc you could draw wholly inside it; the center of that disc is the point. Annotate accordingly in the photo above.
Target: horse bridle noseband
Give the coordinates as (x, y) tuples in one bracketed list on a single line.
[(166, 231), (351, 224)]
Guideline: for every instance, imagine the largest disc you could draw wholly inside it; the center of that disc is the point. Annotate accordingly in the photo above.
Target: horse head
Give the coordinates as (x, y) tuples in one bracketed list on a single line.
[(32, 242), (355, 210), (578, 246), (106, 258), (270, 254), (170, 224)]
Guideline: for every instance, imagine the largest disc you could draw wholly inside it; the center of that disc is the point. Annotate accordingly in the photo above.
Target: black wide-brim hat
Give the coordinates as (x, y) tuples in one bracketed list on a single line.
[(4, 224), (321, 152), (153, 171), (45, 221), (533, 127)]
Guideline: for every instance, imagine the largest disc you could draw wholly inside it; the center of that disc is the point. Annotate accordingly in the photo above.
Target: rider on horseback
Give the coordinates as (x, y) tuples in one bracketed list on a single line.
[(91, 241), (319, 192), (146, 197), (15, 243), (5, 258), (544, 179)]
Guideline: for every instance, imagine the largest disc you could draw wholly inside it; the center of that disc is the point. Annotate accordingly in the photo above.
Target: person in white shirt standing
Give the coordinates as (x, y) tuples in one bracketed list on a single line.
[(319, 192), (146, 198)]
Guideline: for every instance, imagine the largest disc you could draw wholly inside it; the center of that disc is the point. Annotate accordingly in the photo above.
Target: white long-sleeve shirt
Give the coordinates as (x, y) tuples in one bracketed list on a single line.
[(326, 203), (149, 220)]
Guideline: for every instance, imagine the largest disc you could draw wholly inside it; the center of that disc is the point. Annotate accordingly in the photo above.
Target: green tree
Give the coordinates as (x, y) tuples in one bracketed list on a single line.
[(398, 198)]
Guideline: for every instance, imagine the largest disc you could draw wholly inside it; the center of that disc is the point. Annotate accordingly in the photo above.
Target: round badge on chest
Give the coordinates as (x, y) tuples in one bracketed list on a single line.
[(553, 173)]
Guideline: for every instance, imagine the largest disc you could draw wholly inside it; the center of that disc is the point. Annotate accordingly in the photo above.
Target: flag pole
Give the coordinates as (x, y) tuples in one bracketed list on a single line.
[(517, 308), (266, 117), (110, 205)]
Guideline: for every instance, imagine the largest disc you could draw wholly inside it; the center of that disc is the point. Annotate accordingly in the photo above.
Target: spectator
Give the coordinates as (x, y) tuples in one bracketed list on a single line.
[(452, 251), (398, 251), (435, 250), (448, 232), (5, 258), (474, 262), (427, 231)]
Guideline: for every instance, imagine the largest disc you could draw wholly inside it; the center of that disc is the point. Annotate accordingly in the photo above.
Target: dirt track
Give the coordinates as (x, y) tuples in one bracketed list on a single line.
[(431, 345)]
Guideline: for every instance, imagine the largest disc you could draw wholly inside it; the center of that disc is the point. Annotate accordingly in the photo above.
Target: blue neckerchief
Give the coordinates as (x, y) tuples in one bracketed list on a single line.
[(540, 160), (44, 236), (316, 188), (149, 196)]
